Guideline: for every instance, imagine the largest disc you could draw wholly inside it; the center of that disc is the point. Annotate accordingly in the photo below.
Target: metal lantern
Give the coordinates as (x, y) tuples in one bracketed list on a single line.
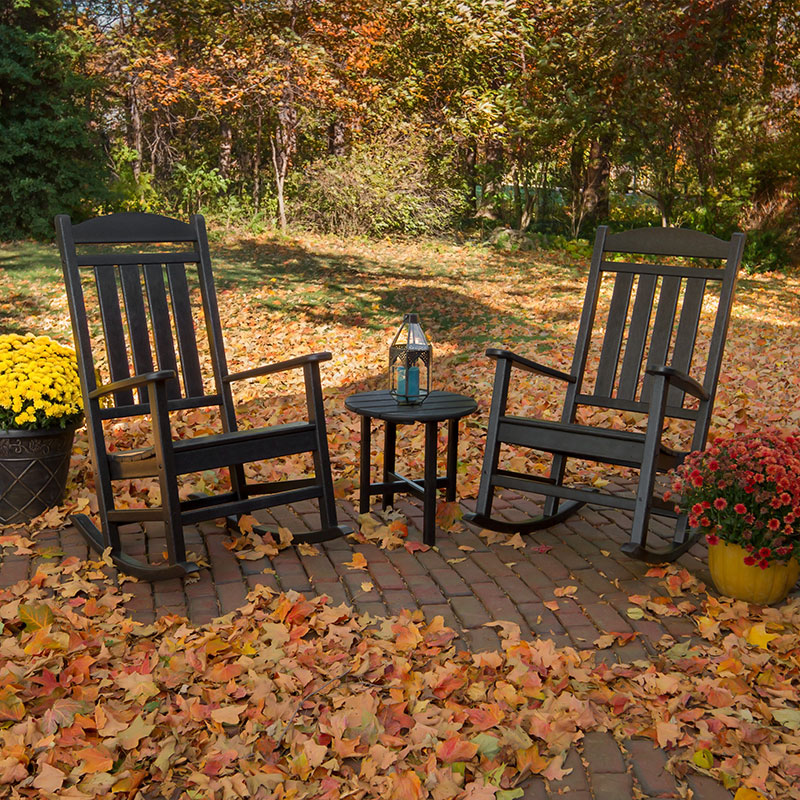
[(410, 360)]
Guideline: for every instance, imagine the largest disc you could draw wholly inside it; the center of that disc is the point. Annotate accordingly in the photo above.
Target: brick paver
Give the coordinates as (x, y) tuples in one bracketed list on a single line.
[(468, 588)]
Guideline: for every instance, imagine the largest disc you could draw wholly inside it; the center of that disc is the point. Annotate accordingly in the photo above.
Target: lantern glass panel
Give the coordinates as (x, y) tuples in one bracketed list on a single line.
[(410, 361)]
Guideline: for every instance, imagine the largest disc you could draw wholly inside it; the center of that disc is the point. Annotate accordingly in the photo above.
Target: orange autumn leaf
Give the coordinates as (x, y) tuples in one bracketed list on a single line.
[(358, 562), (456, 749), (485, 717), (11, 707), (405, 786), (93, 759)]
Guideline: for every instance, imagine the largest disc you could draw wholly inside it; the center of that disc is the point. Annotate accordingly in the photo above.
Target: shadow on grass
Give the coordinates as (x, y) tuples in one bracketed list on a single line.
[(352, 290)]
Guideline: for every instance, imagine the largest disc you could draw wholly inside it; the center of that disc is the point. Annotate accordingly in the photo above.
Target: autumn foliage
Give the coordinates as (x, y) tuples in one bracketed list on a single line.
[(291, 697)]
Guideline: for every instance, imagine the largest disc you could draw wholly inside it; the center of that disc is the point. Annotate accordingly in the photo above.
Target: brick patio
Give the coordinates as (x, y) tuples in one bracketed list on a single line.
[(468, 588)]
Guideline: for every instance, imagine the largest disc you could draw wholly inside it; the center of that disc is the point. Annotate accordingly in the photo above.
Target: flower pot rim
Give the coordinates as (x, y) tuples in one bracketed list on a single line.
[(20, 432)]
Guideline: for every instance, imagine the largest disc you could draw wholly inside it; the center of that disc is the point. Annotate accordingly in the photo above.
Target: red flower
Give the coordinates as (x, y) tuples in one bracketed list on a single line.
[(697, 508), (765, 552), (763, 564), (774, 524), (740, 508), (720, 504), (749, 560), (712, 538)]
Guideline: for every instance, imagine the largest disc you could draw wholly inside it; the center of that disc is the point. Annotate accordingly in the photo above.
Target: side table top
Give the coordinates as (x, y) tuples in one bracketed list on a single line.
[(437, 407)]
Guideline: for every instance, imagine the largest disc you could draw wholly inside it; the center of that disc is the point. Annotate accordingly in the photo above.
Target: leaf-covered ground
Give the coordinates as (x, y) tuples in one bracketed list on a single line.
[(294, 698), (290, 697)]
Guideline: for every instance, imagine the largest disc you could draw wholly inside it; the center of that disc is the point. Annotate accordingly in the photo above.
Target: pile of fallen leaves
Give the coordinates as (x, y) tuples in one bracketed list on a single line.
[(289, 697)]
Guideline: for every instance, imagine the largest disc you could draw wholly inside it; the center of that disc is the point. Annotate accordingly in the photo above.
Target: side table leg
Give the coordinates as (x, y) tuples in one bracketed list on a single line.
[(366, 444), (429, 506), (389, 449), (452, 459)]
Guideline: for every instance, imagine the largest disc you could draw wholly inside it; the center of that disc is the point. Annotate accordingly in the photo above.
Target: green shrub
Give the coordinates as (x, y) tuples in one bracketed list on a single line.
[(766, 251), (390, 184)]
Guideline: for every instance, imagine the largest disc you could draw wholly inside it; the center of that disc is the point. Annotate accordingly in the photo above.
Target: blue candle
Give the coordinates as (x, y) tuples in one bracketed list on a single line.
[(401, 382), (413, 383)]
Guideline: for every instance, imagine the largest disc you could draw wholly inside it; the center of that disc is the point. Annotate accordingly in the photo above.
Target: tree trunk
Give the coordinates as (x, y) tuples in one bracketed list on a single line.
[(284, 144), (595, 195), (225, 149), (471, 159), (576, 173), (135, 131), (494, 177), (257, 167), (279, 165), (518, 205), (336, 138)]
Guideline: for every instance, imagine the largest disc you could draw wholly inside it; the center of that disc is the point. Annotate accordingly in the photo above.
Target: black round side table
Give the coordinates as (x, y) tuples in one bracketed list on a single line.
[(438, 407)]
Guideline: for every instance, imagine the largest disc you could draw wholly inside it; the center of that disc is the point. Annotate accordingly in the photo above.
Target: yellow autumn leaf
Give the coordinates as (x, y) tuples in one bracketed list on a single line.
[(703, 758), (746, 793), (758, 636)]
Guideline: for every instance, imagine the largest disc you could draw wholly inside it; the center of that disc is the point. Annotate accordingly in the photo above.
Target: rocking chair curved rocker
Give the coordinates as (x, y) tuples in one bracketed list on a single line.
[(648, 354), (139, 296)]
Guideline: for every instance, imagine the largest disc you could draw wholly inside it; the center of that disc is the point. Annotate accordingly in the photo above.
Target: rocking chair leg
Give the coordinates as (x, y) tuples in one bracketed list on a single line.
[(557, 476), (502, 375), (322, 462), (637, 546)]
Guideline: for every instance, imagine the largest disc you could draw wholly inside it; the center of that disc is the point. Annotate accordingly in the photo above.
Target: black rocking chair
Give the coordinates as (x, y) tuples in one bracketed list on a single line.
[(651, 373), (139, 296)]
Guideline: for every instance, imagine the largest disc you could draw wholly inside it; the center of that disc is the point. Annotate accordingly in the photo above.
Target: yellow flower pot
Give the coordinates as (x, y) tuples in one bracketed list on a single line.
[(734, 578)]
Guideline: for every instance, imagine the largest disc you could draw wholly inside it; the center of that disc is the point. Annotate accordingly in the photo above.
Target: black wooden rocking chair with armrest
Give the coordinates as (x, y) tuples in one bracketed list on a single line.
[(655, 312), (121, 281)]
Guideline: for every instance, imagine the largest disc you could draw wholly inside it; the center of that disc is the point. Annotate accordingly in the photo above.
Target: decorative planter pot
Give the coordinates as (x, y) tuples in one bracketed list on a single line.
[(734, 578), (33, 471)]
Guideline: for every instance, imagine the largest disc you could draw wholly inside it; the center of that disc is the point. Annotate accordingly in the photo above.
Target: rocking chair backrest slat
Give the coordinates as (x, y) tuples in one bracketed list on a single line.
[(114, 332), (184, 327), (615, 330), (637, 336), (131, 280), (687, 333), (662, 328), (652, 319), (161, 322)]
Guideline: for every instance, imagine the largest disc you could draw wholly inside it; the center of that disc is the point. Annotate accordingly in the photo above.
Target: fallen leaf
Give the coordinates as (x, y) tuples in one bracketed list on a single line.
[(565, 591), (358, 562), (49, 779)]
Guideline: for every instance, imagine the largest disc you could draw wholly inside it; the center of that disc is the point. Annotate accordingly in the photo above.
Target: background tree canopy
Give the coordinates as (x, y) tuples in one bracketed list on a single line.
[(376, 116)]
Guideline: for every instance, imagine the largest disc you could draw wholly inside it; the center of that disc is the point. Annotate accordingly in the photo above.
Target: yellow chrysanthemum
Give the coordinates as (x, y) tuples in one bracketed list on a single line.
[(39, 385)]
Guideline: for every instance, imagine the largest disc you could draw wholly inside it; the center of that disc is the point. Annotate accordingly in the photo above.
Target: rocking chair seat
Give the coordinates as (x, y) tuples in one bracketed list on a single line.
[(609, 445), (199, 453)]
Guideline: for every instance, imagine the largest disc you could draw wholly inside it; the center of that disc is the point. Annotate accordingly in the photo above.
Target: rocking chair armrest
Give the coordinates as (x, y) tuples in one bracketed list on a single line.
[(528, 365), (680, 380), (280, 366), (133, 382)]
